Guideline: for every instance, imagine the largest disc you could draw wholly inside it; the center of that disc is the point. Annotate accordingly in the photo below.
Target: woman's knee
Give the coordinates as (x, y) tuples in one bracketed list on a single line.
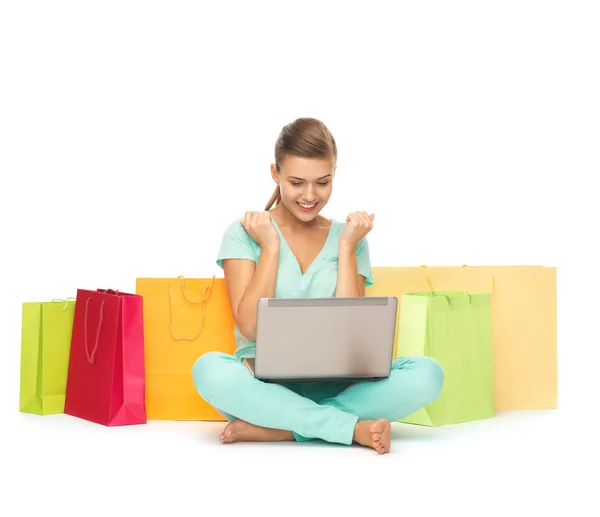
[(428, 376), (207, 372)]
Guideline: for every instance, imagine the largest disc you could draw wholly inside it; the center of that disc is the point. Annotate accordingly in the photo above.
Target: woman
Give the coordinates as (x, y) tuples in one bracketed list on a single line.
[(289, 250)]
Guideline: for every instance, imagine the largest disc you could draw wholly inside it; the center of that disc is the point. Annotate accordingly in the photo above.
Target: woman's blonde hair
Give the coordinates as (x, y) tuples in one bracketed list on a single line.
[(304, 137)]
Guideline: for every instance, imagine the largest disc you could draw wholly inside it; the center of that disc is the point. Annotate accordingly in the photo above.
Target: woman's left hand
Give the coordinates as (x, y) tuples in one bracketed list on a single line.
[(358, 224)]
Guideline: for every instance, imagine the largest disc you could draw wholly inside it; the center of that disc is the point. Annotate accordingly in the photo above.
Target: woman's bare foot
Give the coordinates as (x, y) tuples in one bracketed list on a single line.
[(373, 433), (240, 431)]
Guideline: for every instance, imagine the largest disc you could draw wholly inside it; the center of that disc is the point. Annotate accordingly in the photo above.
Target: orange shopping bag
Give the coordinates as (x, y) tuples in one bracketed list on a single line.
[(524, 327), (183, 319)]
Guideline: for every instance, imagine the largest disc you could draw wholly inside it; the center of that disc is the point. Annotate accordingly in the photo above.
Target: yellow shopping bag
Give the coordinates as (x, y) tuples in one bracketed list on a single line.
[(524, 327), (183, 319)]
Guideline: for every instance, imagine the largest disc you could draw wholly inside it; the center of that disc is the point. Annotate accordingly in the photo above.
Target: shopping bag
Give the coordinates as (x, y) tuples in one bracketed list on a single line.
[(455, 329), (524, 324), (45, 344), (106, 377), (524, 328), (184, 318)]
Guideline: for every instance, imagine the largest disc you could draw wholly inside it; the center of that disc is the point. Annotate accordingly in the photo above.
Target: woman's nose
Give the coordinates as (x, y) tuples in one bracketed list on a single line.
[(309, 193)]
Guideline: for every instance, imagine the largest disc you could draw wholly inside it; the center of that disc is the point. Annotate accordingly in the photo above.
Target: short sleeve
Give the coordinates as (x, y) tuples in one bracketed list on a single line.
[(236, 244), (363, 260)]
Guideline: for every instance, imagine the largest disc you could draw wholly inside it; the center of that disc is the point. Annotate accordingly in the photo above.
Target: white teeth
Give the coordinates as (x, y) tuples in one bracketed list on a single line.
[(307, 206)]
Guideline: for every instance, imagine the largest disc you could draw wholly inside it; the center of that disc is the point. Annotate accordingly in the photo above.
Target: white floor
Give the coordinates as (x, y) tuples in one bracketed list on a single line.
[(519, 463)]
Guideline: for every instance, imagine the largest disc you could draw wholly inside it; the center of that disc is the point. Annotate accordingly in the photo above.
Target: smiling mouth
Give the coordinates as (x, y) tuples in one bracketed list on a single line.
[(305, 207)]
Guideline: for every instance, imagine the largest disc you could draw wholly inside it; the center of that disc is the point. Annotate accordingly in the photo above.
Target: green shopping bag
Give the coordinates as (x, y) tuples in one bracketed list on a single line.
[(45, 346), (455, 329)]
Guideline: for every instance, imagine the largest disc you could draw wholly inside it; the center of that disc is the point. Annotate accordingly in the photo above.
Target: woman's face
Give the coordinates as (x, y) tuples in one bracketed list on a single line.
[(305, 185)]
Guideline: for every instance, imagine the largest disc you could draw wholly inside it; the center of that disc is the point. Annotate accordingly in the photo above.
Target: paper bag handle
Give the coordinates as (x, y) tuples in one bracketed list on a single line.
[(91, 356), (205, 295), (66, 302), (464, 265), (109, 291), (434, 293)]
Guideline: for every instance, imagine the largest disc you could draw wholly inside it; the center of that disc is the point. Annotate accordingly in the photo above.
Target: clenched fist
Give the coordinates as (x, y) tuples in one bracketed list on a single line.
[(261, 229), (358, 224)]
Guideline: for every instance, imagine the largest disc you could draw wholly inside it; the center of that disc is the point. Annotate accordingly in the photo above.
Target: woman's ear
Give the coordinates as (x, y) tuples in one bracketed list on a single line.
[(274, 173)]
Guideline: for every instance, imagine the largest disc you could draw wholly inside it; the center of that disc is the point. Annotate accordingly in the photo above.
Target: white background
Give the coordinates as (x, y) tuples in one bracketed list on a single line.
[(131, 133)]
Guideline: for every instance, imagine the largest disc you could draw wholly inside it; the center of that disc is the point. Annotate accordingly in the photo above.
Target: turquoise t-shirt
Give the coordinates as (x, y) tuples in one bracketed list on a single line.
[(318, 281)]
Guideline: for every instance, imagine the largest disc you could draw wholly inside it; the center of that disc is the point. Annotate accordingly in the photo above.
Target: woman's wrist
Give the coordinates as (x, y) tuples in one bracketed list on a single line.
[(347, 246), (271, 249)]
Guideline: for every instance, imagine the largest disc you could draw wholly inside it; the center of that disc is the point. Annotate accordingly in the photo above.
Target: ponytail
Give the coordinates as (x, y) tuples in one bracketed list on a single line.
[(275, 199)]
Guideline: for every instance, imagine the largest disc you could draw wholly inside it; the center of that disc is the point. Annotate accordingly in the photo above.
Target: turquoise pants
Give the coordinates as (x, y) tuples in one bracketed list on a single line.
[(317, 410)]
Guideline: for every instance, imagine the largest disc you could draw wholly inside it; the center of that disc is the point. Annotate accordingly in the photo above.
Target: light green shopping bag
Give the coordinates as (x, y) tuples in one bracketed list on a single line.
[(46, 329), (455, 329)]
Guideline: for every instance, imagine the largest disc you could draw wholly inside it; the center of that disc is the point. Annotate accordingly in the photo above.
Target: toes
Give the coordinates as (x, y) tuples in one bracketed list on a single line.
[(378, 446), (228, 434), (378, 426), (380, 431)]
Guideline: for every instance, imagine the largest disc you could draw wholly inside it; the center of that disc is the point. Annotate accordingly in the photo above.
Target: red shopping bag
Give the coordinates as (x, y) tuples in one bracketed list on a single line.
[(106, 376)]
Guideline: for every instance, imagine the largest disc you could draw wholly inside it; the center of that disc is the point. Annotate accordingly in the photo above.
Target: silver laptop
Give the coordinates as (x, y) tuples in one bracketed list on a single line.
[(324, 339)]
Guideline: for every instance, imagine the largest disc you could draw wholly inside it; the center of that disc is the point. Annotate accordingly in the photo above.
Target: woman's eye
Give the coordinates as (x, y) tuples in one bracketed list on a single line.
[(320, 183)]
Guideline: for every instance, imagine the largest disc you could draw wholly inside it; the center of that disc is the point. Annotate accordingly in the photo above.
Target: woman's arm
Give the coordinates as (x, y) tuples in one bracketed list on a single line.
[(247, 283), (350, 284)]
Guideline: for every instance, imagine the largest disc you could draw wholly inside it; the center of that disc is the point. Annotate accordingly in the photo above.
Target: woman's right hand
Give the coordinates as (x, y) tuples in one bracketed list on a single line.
[(260, 227)]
